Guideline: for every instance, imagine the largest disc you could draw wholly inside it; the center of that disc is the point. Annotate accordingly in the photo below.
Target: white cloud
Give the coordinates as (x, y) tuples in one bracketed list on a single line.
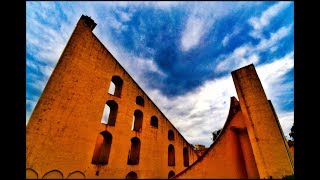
[(200, 21), (31, 103), (227, 37), (274, 38), (118, 25), (241, 56), (124, 16), (50, 42), (146, 65), (164, 5), (202, 18), (32, 65), (247, 54), (273, 49), (258, 23), (286, 121), (196, 27), (273, 73), (39, 84), (225, 40), (46, 70), (161, 5)]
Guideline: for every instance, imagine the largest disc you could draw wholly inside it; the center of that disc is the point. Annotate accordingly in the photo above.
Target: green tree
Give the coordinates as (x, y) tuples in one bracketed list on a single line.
[(291, 134)]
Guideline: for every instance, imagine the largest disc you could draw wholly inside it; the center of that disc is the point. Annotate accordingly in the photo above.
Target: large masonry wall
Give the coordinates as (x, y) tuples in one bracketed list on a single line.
[(63, 128)]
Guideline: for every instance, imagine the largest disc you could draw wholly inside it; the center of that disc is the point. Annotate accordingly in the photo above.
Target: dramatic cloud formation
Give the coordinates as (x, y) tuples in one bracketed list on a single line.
[(247, 53), (258, 23), (180, 53)]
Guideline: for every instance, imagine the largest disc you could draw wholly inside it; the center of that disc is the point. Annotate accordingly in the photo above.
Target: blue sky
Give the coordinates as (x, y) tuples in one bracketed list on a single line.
[(180, 53)]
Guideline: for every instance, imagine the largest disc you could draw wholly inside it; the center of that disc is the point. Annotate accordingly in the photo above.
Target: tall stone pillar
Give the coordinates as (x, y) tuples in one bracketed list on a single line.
[(268, 144)]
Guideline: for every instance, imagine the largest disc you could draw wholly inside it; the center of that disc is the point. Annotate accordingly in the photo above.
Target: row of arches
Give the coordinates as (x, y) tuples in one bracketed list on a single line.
[(53, 174), (111, 109), (56, 174), (103, 146), (110, 112), (171, 156)]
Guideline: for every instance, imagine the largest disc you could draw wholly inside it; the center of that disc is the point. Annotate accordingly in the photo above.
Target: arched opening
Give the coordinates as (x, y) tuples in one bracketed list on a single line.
[(132, 175), (137, 120), (134, 153), (76, 175), (171, 174), (110, 113), (171, 156), (115, 86), (54, 174), (170, 135), (140, 101), (31, 174), (185, 157), (154, 121), (102, 148)]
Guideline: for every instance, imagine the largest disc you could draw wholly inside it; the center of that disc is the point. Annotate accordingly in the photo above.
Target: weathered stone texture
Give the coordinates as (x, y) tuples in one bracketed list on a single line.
[(269, 146), (64, 126)]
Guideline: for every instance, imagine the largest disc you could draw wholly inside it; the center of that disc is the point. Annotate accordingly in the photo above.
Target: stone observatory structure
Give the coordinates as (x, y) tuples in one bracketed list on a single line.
[(82, 129)]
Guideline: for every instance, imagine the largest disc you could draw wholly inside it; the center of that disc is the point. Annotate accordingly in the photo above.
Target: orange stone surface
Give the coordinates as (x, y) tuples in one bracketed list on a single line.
[(63, 128)]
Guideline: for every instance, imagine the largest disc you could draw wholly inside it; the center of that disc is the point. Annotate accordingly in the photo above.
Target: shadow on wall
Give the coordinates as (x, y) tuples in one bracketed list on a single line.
[(102, 148)]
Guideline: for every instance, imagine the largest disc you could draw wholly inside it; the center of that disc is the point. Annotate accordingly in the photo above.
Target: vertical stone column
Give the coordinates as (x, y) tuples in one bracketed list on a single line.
[(268, 145)]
